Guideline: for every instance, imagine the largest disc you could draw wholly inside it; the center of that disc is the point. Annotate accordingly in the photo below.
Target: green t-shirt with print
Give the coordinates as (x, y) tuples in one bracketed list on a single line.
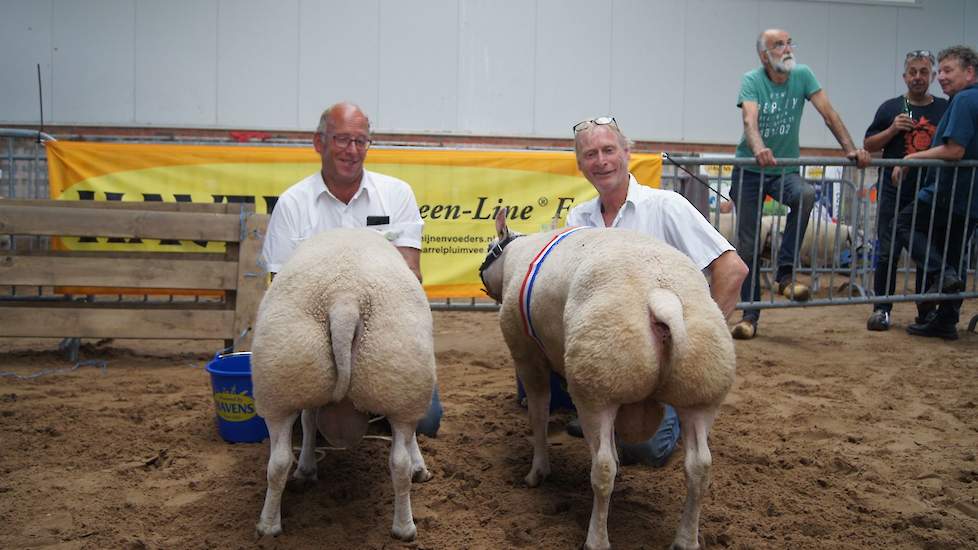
[(779, 111)]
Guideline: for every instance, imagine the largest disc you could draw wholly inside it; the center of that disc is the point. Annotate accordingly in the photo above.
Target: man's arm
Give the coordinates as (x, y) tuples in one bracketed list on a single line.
[(876, 142), (727, 274), (413, 258), (950, 150), (820, 100), (752, 133)]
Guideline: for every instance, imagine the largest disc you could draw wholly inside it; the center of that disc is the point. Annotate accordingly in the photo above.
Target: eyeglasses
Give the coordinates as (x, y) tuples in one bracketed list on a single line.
[(600, 121), (922, 53), (344, 141), (779, 46)]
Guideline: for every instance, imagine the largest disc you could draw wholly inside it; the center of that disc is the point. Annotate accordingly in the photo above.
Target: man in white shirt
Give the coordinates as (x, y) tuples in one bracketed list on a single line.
[(602, 156), (343, 194)]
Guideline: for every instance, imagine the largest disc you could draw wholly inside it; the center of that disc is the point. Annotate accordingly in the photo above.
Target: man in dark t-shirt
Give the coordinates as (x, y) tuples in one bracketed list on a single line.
[(902, 125)]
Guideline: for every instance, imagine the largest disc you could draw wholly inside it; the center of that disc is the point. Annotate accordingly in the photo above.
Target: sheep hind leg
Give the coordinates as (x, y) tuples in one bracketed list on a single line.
[(599, 432), (419, 470), (696, 424), (538, 406), (279, 461), (403, 527), (306, 472)]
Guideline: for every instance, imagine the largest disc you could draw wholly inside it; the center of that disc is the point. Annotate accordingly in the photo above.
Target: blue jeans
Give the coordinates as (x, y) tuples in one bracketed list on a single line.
[(747, 191), (431, 421), (951, 230), (654, 452)]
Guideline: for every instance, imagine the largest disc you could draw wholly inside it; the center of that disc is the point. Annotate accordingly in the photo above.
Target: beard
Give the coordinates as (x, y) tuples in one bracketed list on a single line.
[(784, 65)]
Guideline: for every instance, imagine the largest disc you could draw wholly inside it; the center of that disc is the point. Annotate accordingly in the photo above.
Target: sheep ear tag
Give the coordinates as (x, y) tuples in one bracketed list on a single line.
[(502, 232)]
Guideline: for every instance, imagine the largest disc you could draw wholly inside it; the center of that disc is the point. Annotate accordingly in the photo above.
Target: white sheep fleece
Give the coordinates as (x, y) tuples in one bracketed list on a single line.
[(352, 285), (292, 357), (591, 300), (600, 304)]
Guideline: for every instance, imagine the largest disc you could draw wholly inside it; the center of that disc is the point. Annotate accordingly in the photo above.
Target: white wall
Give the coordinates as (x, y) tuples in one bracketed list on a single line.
[(667, 69)]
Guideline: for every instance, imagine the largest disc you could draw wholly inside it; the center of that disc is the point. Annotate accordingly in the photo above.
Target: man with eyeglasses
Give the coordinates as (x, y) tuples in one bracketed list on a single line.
[(943, 218), (602, 156), (772, 99), (343, 194), (903, 125)]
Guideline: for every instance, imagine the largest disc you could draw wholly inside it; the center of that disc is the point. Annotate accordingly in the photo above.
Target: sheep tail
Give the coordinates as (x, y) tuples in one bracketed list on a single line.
[(345, 328), (668, 322)]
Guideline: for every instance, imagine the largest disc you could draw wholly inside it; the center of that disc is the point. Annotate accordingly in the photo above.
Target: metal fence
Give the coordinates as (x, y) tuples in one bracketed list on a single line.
[(838, 254), (837, 257)]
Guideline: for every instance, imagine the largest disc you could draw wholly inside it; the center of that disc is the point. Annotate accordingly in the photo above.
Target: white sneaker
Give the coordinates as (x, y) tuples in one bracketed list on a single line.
[(879, 320)]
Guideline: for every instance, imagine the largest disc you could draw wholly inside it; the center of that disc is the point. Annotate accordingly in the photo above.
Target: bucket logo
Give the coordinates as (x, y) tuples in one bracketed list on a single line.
[(234, 407)]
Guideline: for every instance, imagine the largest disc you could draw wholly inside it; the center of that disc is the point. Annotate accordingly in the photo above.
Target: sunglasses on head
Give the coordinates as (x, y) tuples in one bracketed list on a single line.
[(599, 121)]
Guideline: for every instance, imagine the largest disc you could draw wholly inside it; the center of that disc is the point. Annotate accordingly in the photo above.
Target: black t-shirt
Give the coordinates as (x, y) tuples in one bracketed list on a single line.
[(905, 143)]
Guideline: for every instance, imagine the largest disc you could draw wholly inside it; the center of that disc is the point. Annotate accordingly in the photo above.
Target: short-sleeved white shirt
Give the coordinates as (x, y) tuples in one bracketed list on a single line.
[(308, 208), (665, 215)]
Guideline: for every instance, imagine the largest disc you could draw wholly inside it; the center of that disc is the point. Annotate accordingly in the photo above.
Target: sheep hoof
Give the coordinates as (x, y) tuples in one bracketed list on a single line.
[(534, 478), (262, 530), (304, 478), (405, 534), (421, 475)]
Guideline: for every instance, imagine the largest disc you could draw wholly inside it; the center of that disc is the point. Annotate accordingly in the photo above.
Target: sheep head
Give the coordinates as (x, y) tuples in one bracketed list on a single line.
[(491, 271)]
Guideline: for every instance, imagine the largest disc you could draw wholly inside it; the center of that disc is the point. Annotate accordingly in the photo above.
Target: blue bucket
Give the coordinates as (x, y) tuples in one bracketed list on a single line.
[(237, 421)]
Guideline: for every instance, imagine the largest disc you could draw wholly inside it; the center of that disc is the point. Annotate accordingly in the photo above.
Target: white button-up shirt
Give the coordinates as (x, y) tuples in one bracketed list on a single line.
[(308, 208), (665, 215)]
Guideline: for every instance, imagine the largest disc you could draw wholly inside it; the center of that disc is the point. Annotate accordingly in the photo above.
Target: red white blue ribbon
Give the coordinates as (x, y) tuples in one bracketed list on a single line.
[(526, 289)]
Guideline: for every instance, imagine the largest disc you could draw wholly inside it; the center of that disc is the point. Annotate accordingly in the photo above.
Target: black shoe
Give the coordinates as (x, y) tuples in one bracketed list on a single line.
[(934, 328), (950, 284), (574, 428), (926, 318)]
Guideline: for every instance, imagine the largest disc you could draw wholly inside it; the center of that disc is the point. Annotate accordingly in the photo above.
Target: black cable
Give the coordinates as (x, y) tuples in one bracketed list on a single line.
[(697, 178)]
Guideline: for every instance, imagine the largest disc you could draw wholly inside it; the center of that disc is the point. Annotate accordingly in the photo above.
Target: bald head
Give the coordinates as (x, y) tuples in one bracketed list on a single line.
[(767, 37), (343, 111)]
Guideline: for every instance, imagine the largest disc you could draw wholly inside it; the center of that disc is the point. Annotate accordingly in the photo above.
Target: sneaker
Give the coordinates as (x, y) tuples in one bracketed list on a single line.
[(935, 329), (879, 320), (744, 330), (795, 292)]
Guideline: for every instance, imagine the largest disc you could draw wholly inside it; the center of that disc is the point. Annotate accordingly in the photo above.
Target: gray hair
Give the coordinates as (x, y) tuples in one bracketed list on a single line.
[(965, 55), (929, 57), (324, 119)]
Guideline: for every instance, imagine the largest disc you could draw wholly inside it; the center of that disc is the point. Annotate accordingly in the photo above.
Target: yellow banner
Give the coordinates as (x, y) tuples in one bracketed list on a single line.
[(458, 191)]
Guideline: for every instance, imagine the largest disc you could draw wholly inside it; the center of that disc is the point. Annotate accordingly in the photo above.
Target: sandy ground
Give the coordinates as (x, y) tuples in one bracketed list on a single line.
[(833, 437)]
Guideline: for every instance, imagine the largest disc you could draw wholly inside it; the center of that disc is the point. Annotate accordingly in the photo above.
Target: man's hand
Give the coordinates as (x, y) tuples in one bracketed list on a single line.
[(903, 123), (897, 176), (861, 156), (765, 157)]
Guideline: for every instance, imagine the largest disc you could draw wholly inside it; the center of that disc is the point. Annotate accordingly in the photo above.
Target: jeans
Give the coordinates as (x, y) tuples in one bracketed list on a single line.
[(885, 275), (654, 452), (431, 421), (747, 192), (929, 253)]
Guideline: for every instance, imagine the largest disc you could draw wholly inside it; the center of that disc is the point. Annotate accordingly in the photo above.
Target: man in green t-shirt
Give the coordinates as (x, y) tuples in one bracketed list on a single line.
[(772, 99)]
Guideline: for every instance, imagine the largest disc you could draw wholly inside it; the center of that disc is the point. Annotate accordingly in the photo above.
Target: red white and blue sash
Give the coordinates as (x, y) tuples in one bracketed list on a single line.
[(526, 289)]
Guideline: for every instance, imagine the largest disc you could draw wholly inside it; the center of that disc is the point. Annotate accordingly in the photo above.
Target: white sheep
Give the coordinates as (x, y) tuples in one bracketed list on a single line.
[(827, 239), (345, 327), (629, 322)]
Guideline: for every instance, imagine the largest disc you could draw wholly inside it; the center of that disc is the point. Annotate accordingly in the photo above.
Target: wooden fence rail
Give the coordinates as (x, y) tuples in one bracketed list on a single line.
[(69, 279)]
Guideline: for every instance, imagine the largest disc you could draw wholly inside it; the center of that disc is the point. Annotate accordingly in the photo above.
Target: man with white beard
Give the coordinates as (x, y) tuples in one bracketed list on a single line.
[(772, 99)]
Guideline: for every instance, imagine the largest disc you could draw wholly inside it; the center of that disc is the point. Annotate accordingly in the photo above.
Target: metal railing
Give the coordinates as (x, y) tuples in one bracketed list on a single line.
[(844, 212), (838, 261)]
